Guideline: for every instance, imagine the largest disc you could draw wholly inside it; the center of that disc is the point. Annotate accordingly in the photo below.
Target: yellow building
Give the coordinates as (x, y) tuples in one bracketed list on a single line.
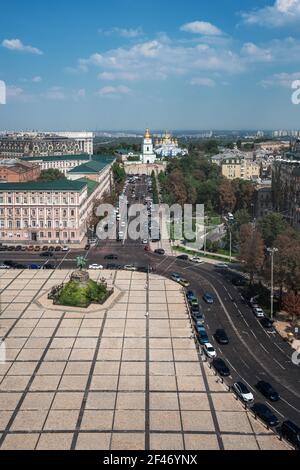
[(245, 169)]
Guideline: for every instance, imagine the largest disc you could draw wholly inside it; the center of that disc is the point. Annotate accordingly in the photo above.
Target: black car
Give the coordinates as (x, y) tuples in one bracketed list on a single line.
[(220, 366), (142, 269), (111, 257), (49, 266), (291, 432), (221, 337), (239, 281), (113, 266), (159, 251), (46, 254), (20, 266), (265, 414), (18, 248), (11, 248), (87, 247), (267, 390), (10, 263), (266, 323), (183, 257)]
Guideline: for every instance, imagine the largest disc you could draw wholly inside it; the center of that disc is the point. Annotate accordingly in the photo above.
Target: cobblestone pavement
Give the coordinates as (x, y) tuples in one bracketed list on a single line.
[(113, 378)]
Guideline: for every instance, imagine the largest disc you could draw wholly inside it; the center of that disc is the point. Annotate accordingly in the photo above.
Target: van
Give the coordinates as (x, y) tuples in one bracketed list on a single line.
[(291, 432)]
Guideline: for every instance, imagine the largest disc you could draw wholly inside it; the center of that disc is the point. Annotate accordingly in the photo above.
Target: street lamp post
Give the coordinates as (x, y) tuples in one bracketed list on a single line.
[(272, 251)]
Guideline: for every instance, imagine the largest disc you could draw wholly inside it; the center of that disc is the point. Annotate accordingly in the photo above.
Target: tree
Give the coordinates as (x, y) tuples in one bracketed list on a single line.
[(271, 226), (51, 175), (291, 303), (227, 196), (251, 250)]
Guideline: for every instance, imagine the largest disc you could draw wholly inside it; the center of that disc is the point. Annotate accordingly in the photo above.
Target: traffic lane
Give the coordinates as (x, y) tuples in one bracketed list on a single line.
[(245, 314), (263, 336), (253, 371), (250, 369)]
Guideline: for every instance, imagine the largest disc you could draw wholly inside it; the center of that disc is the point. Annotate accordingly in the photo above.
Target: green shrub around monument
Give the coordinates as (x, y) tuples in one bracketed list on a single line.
[(74, 295)]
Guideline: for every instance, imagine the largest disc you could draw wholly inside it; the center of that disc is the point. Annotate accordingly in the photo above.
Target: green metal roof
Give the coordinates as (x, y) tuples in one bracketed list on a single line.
[(91, 185), (58, 158), (90, 167), (58, 185)]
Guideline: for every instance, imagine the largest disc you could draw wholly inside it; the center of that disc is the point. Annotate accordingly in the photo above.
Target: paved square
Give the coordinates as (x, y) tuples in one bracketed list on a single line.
[(111, 378)]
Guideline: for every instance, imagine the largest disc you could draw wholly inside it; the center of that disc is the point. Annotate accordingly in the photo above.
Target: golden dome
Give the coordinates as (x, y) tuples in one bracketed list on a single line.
[(147, 134)]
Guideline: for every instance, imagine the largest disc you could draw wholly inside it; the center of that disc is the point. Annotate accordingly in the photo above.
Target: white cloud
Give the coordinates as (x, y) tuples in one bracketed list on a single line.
[(17, 45), (283, 12), (254, 53), (128, 33), (55, 93), (283, 79), (201, 27), (201, 81), (113, 91), (111, 76), (37, 79)]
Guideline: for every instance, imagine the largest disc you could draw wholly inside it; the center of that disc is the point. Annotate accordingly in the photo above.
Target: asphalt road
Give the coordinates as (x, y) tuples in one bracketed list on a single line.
[(252, 354)]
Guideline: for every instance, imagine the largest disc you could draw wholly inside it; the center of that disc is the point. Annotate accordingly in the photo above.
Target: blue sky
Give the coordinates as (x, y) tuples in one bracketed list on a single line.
[(128, 64)]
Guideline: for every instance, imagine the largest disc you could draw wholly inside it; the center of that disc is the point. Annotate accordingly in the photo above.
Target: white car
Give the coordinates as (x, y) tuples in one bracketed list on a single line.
[(209, 350), (222, 266), (130, 267), (65, 248), (242, 392), (258, 312), (4, 266), (197, 260), (96, 267)]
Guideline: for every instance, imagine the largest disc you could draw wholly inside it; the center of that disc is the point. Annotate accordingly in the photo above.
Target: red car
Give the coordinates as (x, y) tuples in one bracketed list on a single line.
[(147, 248), (30, 248)]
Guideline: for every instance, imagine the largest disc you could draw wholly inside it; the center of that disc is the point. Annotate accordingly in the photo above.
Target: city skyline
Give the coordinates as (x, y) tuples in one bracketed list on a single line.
[(129, 66)]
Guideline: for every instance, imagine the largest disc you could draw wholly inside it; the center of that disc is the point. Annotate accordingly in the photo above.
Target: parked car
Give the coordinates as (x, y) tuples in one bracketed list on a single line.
[(111, 257), (258, 312), (30, 248), (199, 320), (183, 257), (291, 432), (95, 267), (184, 283), (18, 248), (147, 248), (113, 266), (11, 248), (202, 335), (190, 296), (194, 302), (49, 266), (221, 367), (175, 277), (239, 281), (58, 248), (46, 254), (266, 323), (265, 414), (52, 248), (130, 267), (45, 248), (32, 266), (197, 260), (267, 390), (197, 314), (242, 392), (4, 266), (37, 248), (65, 249), (159, 251), (221, 337), (222, 266), (209, 350), (208, 298)]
